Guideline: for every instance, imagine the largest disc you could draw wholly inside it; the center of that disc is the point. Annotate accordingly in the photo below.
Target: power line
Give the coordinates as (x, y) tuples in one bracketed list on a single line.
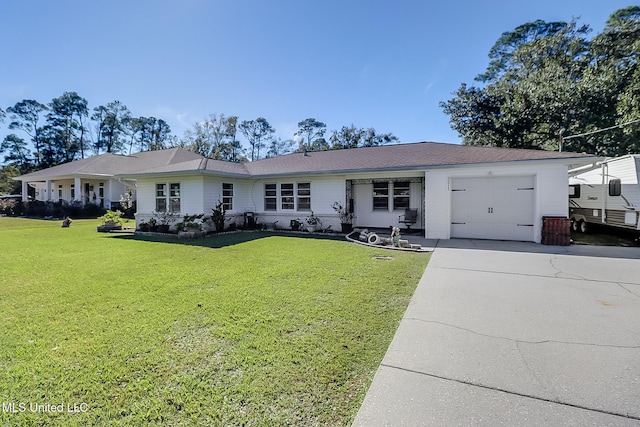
[(564, 138)]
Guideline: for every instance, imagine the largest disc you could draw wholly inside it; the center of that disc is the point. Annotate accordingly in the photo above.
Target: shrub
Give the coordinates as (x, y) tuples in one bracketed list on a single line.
[(218, 216), (111, 217)]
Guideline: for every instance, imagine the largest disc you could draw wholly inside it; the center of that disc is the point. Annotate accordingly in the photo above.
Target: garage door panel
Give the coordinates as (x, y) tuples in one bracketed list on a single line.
[(493, 208)]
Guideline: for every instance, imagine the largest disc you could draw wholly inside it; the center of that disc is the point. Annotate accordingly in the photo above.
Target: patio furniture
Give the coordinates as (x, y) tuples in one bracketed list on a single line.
[(409, 218)]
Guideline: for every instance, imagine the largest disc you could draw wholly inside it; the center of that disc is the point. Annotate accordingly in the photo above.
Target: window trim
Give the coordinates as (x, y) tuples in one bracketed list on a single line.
[(270, 200), (406, 196), (289, 194), (615, 187), (172, 199), (227, 196), (576, 191), (305, 194), (380, 197)]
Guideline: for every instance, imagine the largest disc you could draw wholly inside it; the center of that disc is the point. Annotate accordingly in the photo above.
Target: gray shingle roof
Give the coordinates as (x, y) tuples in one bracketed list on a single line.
[(114, 164), (389, 157), (396, 157)]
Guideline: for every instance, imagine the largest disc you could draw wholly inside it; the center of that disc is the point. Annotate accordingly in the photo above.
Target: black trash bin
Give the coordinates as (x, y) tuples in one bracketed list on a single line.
[(249, 220)]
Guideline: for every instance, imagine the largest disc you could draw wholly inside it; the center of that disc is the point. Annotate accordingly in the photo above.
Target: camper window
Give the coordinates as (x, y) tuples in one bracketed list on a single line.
[(574, 191), (615, 187)]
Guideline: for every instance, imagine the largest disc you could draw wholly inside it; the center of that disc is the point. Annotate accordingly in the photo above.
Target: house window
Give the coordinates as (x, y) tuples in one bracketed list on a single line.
[(73, 191), (168, 197), (161, 197), (381, 196), (615, 187), (60, 192), (174, 197), (227, 196), (287, 199), (270, 197), (304, 196), (101, 190), (401, 196)]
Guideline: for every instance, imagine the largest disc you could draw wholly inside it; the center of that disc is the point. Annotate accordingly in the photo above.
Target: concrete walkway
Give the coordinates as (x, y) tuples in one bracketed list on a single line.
[(515, 334)]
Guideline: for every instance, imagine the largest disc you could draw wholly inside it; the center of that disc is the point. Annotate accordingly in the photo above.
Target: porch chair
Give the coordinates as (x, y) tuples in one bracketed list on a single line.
[(409, 218)]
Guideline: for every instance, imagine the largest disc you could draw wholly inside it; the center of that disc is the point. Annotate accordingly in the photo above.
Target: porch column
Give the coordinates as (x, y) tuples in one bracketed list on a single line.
[(25, 191), (78, 189), (47, 189)]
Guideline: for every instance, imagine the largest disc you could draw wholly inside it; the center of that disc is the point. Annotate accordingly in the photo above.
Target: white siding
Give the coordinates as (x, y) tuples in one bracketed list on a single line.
[(324, 191), (551, 193), (191, 195), (366, 216), (212, 191)]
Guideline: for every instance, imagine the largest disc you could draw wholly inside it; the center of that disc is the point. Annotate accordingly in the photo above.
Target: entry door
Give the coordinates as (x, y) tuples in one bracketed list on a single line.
[(499, 208)]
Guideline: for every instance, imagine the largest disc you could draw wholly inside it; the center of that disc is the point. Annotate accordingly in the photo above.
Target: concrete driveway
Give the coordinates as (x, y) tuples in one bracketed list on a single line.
[(515, 334)]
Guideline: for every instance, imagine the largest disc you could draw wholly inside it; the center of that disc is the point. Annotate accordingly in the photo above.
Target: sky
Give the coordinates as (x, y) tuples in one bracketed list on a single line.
[(374, 64)]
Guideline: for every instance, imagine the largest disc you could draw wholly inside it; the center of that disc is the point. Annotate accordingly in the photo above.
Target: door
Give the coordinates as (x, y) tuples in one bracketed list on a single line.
[(499, 208)]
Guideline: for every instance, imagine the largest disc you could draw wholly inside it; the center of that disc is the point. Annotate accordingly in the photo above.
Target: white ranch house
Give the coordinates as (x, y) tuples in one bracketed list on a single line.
[(458, 191)]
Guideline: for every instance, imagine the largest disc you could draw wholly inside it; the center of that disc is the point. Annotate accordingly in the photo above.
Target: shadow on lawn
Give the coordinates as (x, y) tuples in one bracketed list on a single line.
[(225, 239)]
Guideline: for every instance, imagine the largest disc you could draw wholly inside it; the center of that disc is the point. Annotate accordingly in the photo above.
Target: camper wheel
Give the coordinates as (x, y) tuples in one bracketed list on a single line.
[(584, 227), (574, 225)]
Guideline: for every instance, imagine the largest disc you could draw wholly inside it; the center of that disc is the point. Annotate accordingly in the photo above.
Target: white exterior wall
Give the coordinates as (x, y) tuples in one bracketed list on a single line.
[(212, 188), (366, 216), (325, 190), (191, 196), (113, 190), (551, 193)]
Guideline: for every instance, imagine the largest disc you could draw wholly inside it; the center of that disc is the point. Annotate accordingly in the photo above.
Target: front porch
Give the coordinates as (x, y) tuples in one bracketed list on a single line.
[(381, 203), (103, 193)]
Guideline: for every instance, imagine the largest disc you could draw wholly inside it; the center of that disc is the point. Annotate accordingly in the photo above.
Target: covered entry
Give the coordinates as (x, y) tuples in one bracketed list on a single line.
[(499, 208)]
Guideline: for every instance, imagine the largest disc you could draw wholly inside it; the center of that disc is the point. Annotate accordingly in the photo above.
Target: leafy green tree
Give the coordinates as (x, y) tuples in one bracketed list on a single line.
[(133, 128), (160, 134), (257, 132), (2, 115), (66, 116), (110, 119), (352, 137), (545, 79), (278, 147), (504, 54), (311, 133), (615, 76), (16, 152), (7, 184), (213, 138), (25, 115)]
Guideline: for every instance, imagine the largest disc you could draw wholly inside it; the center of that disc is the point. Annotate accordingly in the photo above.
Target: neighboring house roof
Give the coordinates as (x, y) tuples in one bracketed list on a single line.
[(388, 157), (113, 164)]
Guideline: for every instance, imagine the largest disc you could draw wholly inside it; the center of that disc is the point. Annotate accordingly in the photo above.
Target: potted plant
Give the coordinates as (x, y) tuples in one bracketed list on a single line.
[(165, 219), (111, 220), (295, 224), (312, 222), (346, 217), (153, 225), (191, 226)]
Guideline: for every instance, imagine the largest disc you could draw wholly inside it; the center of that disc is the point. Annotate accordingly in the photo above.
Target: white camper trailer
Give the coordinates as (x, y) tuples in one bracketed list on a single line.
[(607, 195)]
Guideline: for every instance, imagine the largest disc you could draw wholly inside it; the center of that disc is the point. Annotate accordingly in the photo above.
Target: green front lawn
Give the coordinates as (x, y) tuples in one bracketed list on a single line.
[(246, 328)]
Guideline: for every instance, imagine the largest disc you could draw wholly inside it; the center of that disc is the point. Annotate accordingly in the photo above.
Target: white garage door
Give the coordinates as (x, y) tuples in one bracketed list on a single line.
[(499, 208)]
